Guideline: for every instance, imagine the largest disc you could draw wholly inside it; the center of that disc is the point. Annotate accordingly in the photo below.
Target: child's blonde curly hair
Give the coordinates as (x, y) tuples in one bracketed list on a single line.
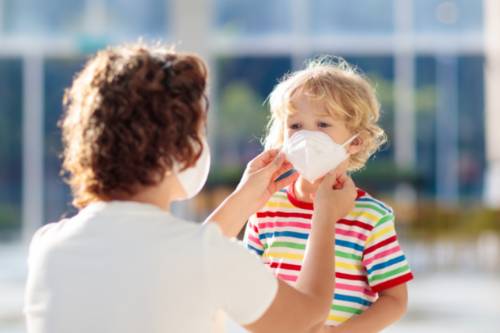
[(347, 95)]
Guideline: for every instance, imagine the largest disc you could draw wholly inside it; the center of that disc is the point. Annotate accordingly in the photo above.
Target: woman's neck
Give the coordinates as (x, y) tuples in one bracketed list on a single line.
[(160, 195), (153, 197)]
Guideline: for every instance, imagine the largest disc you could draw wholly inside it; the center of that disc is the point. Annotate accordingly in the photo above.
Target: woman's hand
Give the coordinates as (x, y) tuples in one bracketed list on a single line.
[(259, 183), (336, 196), (322, 328)]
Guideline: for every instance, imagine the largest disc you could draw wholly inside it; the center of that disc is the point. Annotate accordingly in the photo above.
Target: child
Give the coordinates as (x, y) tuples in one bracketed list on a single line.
[(330, 101)]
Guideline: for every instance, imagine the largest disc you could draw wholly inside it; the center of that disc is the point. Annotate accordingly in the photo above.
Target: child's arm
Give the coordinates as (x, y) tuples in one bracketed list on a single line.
[(257, 185), (389, 307)]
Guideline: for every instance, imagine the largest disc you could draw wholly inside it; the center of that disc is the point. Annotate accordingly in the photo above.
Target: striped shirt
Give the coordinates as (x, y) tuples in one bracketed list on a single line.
[(368, 258)]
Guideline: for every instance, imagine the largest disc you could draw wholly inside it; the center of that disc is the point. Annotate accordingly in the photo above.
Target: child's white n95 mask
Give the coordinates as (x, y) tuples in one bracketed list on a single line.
[(313, 153)]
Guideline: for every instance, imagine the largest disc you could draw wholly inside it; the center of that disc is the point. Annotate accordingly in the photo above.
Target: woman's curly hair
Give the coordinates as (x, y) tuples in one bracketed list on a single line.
[(132, 114)]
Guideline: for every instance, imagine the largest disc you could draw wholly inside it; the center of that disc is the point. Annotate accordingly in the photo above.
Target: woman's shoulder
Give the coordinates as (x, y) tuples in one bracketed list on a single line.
[(45, 238)]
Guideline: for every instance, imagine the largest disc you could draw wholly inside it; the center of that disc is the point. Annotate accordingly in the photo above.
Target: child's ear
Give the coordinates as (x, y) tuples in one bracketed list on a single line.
[(355, 146)]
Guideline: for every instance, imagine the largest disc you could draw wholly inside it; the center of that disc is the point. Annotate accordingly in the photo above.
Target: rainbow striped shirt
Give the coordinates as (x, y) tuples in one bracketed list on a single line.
[(367, 254)]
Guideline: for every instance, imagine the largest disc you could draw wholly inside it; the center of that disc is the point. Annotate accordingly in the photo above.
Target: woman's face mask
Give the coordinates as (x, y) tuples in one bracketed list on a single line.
[(313, 153), (194, 178)]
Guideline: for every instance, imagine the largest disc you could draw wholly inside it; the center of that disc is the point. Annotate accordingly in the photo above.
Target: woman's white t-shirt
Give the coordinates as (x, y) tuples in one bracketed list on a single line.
[(130, 267)]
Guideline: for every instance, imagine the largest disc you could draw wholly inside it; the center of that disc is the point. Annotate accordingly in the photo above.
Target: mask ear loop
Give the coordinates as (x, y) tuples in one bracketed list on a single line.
[(350, 140)]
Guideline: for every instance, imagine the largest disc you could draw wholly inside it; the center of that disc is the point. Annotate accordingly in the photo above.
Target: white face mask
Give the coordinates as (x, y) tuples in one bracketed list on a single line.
[(194, 178), (313, 153)]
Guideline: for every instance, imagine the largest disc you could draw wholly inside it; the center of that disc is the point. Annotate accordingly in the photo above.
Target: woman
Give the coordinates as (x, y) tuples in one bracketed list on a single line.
[(134, 142)]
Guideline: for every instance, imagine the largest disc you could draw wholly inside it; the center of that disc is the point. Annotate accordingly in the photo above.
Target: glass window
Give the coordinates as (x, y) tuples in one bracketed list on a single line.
[(91, 17), (10, 144), (433, 16), (425, 108), (58, 76), (129, 18), (470, 113), (472, 159), (39, 17), (253, 17), (243, 84), (352, 17)]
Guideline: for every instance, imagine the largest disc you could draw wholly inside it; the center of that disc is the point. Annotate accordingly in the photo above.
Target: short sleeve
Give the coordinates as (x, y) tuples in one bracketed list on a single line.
[(239, 283), (383, 258), (251, 239)]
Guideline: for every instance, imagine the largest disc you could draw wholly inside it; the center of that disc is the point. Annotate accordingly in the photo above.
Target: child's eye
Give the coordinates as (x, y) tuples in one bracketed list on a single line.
[(294, 126), (322, 124)]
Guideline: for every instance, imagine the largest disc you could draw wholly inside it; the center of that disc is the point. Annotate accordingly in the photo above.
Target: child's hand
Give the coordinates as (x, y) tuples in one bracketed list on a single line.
[(335, 196)]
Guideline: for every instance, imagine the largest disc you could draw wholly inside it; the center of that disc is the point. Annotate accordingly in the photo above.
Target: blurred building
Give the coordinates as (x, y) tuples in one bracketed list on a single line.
[(427, 57)]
